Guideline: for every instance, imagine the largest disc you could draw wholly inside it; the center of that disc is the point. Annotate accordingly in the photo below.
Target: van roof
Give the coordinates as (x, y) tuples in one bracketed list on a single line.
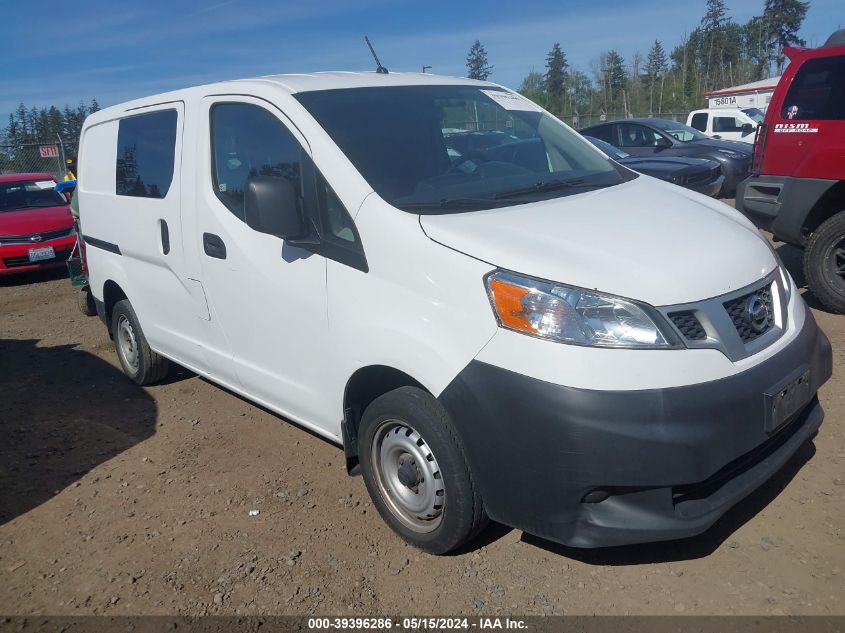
[(294, 83)]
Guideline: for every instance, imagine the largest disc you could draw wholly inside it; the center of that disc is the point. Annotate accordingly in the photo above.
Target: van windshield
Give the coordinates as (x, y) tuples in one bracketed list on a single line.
[(755, 114), (441, 149)]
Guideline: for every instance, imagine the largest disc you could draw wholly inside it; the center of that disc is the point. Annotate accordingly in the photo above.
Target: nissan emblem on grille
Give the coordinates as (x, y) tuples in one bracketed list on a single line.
[(757, 314)]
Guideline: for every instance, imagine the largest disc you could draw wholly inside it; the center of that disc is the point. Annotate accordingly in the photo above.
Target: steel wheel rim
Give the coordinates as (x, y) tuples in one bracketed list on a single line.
[(408, 476), (127, 344)]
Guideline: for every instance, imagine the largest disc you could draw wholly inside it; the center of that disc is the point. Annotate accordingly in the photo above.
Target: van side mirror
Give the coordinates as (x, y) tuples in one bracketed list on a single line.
[(747, 129), (271, 205)]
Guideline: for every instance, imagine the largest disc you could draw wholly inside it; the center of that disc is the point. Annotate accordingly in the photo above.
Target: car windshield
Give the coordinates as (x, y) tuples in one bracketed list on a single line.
[(678, 131), (614, 152), (29, 194), (440, 149), (756, 114)]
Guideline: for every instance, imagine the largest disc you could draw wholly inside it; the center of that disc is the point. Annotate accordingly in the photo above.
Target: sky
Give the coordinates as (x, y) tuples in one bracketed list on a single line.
[(112, 50)]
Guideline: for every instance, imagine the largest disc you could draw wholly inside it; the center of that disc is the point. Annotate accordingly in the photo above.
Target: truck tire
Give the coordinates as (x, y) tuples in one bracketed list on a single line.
[(824, 263), (416, 471), (141, 364)]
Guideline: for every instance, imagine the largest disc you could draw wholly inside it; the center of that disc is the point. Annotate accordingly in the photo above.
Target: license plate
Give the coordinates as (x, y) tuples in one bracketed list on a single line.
[(787, 398), (39, 254)]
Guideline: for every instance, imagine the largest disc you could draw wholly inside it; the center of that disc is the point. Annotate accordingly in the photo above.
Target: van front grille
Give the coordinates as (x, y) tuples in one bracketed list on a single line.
[(752, 314), (688, 325)]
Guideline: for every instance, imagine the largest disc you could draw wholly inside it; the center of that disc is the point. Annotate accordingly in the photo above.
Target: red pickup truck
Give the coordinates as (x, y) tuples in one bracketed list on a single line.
[(797, 185)]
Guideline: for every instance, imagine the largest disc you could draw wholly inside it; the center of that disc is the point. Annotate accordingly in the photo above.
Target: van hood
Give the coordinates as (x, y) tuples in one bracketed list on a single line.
[(643, 240)]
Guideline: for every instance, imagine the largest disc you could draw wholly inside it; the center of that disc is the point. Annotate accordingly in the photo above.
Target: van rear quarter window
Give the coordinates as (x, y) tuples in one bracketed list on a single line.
[(817, 91), (146, 147)]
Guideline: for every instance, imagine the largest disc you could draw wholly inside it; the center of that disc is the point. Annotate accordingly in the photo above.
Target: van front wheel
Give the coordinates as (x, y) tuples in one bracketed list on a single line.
[(416, 471), (824, 263), (140, 363)]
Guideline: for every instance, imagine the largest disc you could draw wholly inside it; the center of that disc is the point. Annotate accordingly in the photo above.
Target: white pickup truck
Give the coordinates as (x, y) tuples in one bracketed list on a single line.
[(727, 123)]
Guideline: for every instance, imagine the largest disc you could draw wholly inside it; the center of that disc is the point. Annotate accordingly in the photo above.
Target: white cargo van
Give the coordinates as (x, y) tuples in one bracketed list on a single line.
[(492, 317), (727, 123)]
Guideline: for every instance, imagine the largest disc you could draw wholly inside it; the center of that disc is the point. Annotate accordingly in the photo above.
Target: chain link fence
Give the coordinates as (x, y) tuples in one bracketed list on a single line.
[(37, 157)]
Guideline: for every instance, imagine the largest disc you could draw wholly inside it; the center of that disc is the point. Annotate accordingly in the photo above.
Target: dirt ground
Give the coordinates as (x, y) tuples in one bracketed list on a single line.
[(121, 500)]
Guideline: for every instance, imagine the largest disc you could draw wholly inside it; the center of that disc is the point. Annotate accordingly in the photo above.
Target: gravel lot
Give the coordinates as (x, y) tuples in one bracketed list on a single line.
[(121, 500)]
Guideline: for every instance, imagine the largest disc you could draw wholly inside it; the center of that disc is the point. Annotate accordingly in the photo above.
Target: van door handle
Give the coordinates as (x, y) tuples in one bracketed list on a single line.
[(213, 246), (165, 237)]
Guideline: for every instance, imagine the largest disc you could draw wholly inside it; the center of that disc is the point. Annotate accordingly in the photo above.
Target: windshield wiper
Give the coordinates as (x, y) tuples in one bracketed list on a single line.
[(445, 203), (543, 186)]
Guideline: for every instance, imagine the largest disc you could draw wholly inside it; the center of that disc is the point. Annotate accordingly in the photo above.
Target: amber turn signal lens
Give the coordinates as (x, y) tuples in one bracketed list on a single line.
[(508, 301)]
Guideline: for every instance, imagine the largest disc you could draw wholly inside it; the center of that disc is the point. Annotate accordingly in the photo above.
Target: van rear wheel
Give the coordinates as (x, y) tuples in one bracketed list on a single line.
[(824, 263), (140, 363), (416, 472)]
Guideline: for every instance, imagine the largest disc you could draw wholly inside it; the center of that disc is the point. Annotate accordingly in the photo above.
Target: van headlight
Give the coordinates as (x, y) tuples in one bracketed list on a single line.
[(574, 315)]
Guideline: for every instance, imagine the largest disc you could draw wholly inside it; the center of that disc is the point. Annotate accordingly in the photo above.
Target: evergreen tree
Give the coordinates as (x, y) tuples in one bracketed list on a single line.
[(656, 65), (477, 66), (614, 76), (782, 19), (556, 74), (714, 18)]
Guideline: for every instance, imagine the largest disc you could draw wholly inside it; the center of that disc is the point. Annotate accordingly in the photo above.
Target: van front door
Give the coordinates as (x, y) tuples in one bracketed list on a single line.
[(268, 297)]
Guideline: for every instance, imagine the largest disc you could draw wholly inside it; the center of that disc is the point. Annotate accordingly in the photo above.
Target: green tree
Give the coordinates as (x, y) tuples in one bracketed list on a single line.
[(782, 20), (655, 67), (556, 75), (477, 66), (613, 79), (715, 17)]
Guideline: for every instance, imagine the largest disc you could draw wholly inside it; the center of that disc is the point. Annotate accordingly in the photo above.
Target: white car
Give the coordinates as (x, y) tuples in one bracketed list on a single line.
[(730, 124), (521, 329)]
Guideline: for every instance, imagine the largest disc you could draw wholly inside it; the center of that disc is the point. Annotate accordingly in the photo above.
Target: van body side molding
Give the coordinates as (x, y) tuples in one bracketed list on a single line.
[(102, 244)]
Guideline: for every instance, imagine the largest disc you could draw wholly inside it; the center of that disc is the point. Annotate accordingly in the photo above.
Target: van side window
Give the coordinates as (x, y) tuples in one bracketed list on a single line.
[(817, 91), (727, 124), (248, 141), (699, 121), (146, 148)]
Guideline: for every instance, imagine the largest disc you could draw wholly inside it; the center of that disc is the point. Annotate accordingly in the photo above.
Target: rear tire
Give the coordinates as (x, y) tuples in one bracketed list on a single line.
[(85, 302), (141, 364), (416, 472), (824, 263)]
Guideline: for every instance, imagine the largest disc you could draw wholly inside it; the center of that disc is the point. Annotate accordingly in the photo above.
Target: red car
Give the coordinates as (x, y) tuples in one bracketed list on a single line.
[(797, 186), (36, 227)]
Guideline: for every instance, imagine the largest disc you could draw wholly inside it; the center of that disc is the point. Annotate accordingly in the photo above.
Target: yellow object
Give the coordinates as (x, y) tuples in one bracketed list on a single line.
[(70, 175)]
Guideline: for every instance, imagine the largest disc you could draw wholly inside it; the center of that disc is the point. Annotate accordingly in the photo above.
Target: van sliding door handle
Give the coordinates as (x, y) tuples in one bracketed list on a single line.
[(213, 246), (165, 237)]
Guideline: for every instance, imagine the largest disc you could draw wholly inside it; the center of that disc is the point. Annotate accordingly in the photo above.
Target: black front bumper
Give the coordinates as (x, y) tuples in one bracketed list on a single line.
[(735, 171), (781, 204), (671, 460)]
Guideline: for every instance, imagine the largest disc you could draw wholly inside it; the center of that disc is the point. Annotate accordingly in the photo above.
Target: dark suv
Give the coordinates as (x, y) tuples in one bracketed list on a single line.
[(661, 137)]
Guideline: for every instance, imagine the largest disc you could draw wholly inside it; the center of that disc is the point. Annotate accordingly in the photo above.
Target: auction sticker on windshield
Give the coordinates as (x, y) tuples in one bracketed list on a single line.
[(511, 101)]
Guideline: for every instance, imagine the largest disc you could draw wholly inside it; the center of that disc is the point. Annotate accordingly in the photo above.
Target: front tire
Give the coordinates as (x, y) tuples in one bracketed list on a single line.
[(824, 263), (141, 364), (416, 472)]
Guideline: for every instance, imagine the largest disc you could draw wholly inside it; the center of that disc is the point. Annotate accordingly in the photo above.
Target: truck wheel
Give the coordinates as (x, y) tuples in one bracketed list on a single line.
[(824, 263), (141, 364), (416, 471), (85, 302)]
